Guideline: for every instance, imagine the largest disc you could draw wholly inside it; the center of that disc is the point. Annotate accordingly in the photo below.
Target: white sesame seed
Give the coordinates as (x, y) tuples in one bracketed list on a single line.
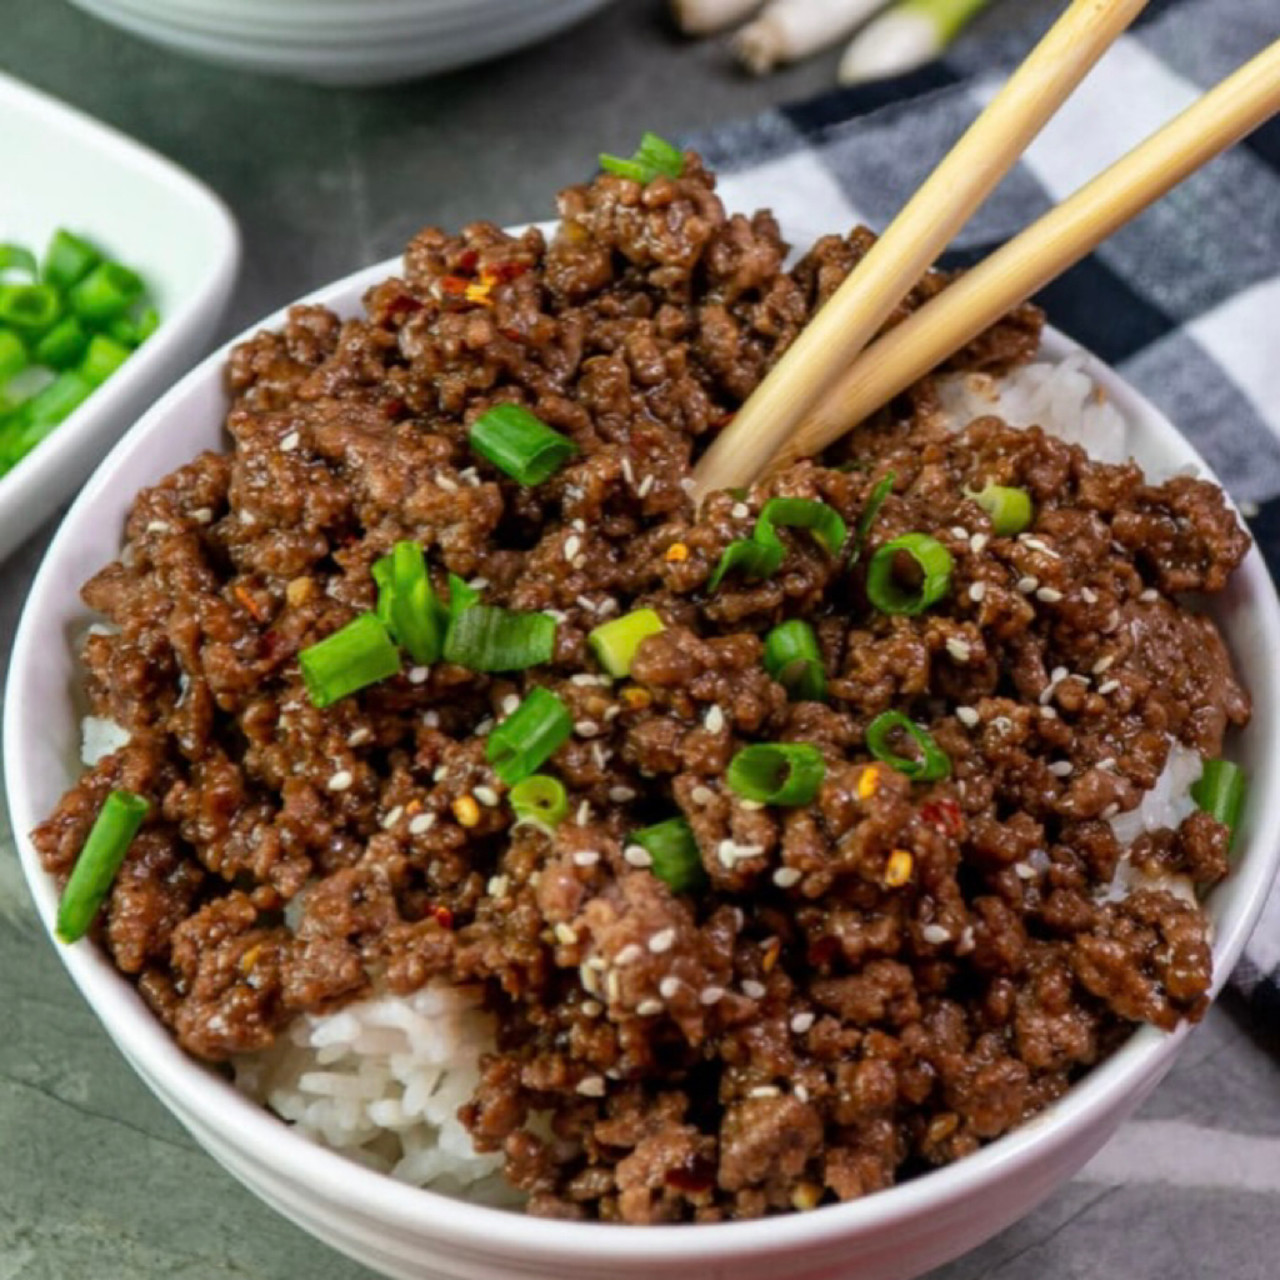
[(1037, 545), (1110, 811), (497, 886), (688, 484), (740, 511), (801, 1022), (566, 934), (591, 1008), (1002, 724), (753, 990), (714, 719), (597, 963), (583, 816), (590, 978), (649, 1008), (572, 545), (727, 853), (935, 935), (1108, 763), (510, 703), (1059, 674), (959, 649), (486, 795), (418, 675), (1108, 686), (968, 717), (620, 795), (642, 489), (579, 562), (392, 816), (421, 823), (447, 483), (591, 1086), (341, 780), (959, 531), (627, 474), (628, 955), (611, 713), (290, 442), (1050, 595), (669, 987), (966, 943), (1027, 585), (978, 543), (1088, 595), (439, 773), (431, 719), (785, 877), (977, 592), (613, 986), (586, 728), (801, 1093), (358, 737), (587, 681), (1024, 871), (1149, 596), (710, 995), (478, 584), (1049, 713), (662, 941), (1103, 664), (586, 858), (638, 856), (203, 515), (764, 1091), (1061, 768), (702, 795), (556, 615)]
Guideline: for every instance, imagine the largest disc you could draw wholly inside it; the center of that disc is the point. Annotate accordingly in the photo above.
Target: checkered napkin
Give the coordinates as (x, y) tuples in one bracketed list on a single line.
[(1184, 302)]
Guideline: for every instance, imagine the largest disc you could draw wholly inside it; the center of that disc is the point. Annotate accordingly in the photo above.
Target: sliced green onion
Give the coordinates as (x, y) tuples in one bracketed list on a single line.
[(884, 487), (13, 355), (750, 558), (1011, 510), (109, 290), (615, 643), (29, 308), (358, 655), (68, 259), (1220, 792), (520, 444), (792, 658), (63, 345), (102, 358), (676, 860), (823, 521), (540, 799), (407, 605), (134, 333), (934, 561), (530, 735), (485, 638), (462, 595), (655, 157), (933, 763), (786, 773), (37, 417), (13, 257), (99, 861)]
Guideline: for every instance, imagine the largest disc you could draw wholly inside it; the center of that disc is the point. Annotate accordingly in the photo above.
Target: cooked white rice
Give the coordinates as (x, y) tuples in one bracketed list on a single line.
[(381, 1080)]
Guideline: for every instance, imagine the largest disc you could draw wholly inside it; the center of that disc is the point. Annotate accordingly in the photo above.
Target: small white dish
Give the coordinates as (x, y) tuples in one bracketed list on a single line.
[(62, 169), (410, 1234)]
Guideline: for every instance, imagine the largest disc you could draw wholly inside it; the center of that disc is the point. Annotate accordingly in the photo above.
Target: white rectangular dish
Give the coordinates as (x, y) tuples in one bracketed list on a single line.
[(62, 169)]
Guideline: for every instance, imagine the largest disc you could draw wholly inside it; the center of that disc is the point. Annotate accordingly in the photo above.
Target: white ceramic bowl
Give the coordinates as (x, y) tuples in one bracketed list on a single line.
[(62, 169), (418, 1235), (394, 40)]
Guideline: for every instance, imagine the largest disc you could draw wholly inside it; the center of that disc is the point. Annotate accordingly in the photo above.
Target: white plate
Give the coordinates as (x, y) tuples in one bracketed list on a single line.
[(61, 169), (419, 1235)]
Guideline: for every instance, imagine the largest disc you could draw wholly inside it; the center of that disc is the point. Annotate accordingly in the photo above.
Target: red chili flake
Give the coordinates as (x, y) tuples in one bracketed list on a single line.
[(501, 272), (943, 816), (468, 259), (454, 286), (442, 916), (694, 1177), (402, 304), (512, 335)]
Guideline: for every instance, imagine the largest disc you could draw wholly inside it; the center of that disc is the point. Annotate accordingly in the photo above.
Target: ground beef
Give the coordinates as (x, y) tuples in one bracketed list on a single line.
[(865, 986)]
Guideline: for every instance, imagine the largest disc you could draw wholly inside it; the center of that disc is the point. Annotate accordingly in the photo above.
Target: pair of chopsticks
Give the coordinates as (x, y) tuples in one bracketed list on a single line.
[(830, 380)]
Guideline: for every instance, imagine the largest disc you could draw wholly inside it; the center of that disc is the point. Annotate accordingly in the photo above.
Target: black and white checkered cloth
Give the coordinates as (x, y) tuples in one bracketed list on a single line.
[(1184, 302)]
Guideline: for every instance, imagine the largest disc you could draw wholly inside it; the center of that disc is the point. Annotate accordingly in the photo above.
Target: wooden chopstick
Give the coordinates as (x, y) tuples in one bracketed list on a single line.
[(977, 299), (920, 232)]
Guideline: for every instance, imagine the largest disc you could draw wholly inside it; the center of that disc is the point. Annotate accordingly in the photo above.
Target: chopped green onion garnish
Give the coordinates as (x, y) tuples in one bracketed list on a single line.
[(536, 729), (99, 861), (520, 444), (1010, 510), (38, 416), (68, 259), (29, 308), (13, 355), (485, 638), (615, 643), (63, 345), (462, 595), (786, 773), (676, 860), (135, 332), (655, 157), (13, 257), (407, 605), (360, 654), (1220, 792), (109, 290), (102, 358), (934, 562), (884, 487), (750, 558), (933, 763), (761, 555), (540, 799), (792, 658)]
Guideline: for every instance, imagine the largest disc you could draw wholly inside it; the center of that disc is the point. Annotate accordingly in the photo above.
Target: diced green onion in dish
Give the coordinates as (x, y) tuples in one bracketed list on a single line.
[(654, 158), (520, 444), (930, 765), (13, 355), (529, 736), (761, 555), (38, 416), (674, 853), (884, 487), (1220, 792), (63, 345), (932, 560), (1011, 510), (748, 557), (408, 606), (792, 658), (785, 773), (68, 259), (540, 799), (29, 308), (134, 333), (486, 638), (615, 643), (103, 853), (358, 655), (13, 257), (102, 358), (108, 291)]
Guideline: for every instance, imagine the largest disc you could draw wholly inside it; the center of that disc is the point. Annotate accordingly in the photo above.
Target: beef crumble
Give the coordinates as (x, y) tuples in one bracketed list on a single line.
[(867, 986)]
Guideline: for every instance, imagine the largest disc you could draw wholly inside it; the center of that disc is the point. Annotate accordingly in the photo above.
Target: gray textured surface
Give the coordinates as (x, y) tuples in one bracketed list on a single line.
[(95, 1178)]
